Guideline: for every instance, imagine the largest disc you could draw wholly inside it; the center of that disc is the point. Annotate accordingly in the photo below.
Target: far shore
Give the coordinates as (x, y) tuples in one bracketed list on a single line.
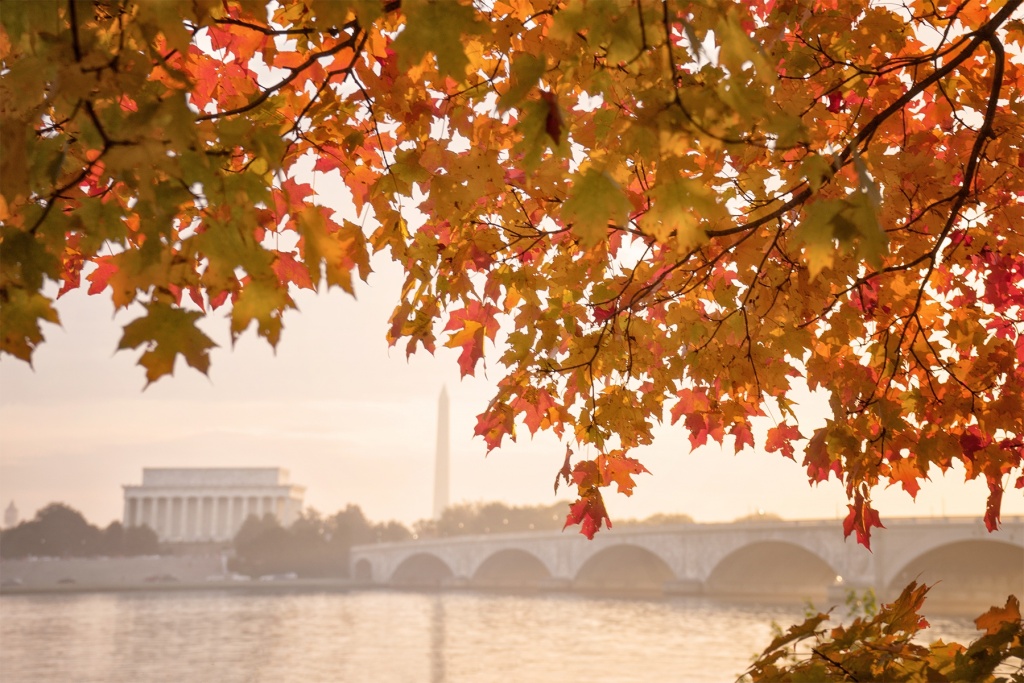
[(332, 585)]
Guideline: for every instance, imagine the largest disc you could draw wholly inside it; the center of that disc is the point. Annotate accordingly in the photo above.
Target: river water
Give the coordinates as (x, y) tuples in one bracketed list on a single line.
[(382, 637)]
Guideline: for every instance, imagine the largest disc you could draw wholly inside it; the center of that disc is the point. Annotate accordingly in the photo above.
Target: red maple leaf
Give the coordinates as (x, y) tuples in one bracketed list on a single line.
[(105, 269), (288, 270), (744, 437), (616, 467), (494, 424), (817, 459), (860, 519), (589, 512), (994, 503), (469, 327), (566, 471), (781, 437)]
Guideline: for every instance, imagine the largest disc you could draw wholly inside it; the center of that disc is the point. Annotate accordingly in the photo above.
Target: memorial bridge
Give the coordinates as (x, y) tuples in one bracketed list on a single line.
[(798, 559)]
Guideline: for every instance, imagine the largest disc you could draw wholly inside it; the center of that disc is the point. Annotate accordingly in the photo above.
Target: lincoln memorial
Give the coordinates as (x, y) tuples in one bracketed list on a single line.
[(209, 504)]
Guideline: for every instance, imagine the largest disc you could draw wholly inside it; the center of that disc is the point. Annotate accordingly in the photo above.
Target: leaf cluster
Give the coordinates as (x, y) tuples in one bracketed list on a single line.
[(639, 212), (882, 647)]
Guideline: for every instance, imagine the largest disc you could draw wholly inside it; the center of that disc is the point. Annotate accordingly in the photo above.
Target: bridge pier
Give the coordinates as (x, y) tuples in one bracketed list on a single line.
[(838, 591), (455, 582), (683, 587)]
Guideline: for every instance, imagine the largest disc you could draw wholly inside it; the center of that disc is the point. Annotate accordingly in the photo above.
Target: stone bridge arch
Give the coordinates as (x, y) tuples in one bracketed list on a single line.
[(658, 545), (966, 575), (362, 570), (421, 569), (510, 568), (815, 543), (905, 545), (623, 568), (772, 569)]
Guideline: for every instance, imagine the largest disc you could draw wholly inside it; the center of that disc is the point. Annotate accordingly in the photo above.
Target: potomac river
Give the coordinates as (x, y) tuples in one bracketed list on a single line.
[(384, 636)]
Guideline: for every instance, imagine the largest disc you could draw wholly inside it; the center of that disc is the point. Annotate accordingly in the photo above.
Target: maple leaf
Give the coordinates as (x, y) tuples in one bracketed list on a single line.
[(588, 511), (993, 621), (288, 270), (470, 326), (781, 437), (166, 332), (19, 322), (438, 28), (860, 520), (566, 471), (616, 467), (743, 435), (261, 301), (594, 202), (994, 503), (906, 472), (494, 424), (553, 119), (817, 460)]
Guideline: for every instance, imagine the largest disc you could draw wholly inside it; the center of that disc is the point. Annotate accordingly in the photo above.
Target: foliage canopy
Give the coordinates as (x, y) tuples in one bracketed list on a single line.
[(669, 210)]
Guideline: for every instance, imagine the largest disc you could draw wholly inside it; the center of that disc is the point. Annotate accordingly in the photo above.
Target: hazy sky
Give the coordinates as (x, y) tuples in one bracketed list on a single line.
[(351, 419)]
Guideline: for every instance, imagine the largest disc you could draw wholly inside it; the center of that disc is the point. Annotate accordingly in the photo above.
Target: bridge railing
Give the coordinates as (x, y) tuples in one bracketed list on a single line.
[(690, 527)]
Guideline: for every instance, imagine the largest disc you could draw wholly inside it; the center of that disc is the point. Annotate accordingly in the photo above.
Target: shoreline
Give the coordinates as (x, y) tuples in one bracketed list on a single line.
[(342, 585), (330, 585)]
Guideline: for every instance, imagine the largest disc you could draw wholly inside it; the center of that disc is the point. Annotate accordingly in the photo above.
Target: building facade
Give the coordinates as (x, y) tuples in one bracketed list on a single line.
[(209, 504)]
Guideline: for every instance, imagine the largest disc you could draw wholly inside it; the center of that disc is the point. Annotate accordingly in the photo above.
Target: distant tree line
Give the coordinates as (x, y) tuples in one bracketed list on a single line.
[(494, 518), (312, 546), (61, 531)]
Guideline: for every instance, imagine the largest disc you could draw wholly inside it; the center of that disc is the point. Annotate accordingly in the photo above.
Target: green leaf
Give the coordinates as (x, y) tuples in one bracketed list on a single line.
[(264, 301), (594, 202), (525, 73), (737, 50), (817, 233), (817, 170), (167, 331), (675, 210), (20, 314), (873, 243), (438, 27)]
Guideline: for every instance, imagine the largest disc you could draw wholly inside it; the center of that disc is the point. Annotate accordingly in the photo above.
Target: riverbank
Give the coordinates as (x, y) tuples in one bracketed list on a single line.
[(234, 585)]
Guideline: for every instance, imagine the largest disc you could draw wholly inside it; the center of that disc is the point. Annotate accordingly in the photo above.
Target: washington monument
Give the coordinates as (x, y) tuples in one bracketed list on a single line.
[(441, 465)]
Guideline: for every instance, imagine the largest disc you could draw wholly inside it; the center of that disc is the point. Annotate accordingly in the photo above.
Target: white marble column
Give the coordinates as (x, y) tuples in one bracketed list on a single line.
[(207, 517), (200, 533), (215, 518), (225, 518), (229, 516), (159, 515), (193, 518)]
